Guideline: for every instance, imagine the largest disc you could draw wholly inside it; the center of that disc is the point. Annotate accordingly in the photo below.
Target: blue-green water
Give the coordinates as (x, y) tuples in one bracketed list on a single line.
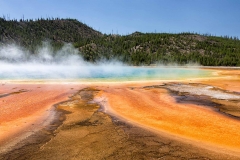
[(66, 64), (100, 73), (145, 73)]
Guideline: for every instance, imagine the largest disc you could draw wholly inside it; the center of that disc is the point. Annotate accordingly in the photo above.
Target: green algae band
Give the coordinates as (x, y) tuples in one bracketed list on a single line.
[(100, 73), (148, 73)]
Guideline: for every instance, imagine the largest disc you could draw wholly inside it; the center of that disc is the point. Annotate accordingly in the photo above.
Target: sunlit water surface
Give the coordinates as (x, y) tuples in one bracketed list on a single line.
[(100, 73)]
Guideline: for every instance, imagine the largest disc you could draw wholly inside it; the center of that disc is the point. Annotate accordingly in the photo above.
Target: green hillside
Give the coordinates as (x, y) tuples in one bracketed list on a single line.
[(152, 48), (134, 49), (30, 33)]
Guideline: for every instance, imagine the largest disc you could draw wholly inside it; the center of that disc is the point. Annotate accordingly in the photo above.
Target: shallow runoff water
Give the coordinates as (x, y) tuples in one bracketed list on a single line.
[(100, 73)]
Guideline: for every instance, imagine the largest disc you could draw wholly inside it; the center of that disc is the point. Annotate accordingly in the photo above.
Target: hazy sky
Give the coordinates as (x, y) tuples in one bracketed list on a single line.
[(218, 17)]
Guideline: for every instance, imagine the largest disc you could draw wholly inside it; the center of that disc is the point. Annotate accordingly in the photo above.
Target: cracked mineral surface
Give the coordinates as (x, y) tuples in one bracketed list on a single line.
[(89, 133), (192, 119)]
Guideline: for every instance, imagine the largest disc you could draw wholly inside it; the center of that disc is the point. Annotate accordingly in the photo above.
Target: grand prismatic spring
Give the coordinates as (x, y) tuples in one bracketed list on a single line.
[(119, 112)]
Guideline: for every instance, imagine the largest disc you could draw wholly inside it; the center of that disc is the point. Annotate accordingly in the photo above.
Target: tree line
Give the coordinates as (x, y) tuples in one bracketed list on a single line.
[(134, 49)]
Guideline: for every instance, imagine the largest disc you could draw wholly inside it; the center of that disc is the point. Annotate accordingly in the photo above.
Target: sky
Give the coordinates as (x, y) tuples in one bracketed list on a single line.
[(216, 17)]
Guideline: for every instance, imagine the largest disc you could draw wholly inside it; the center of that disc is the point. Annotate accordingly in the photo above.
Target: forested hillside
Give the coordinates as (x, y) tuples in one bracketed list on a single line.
[(31, 33), (152, 48), (134, 49)]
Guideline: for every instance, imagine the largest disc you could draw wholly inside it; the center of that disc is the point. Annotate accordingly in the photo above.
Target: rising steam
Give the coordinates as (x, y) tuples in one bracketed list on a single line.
[(18, 63)]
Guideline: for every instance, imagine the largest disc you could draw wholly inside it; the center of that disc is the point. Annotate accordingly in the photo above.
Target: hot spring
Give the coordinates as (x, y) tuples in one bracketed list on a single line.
[(98, 73), (17, 63)]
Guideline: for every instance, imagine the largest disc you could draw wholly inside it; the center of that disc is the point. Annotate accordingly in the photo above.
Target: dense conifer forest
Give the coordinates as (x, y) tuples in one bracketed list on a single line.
[(133, 49)]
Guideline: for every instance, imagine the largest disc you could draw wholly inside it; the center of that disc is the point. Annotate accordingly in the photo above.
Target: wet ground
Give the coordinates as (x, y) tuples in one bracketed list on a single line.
[(89, 133), (191, 119)]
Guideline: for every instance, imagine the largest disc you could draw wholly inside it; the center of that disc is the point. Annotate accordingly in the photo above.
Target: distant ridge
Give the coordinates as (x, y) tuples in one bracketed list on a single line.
[(30, 32), (133, 49)]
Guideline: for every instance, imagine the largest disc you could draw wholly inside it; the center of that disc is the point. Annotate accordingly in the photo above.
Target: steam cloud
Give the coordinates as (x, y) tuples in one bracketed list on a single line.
[(18, 63)]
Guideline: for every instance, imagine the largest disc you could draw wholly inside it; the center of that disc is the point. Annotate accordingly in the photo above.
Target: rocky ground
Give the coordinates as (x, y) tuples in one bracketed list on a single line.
[(85, 131)]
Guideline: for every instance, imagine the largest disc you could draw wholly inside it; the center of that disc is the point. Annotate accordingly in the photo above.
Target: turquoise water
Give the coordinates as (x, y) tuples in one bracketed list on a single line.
[(100, 73), (145, 73)]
